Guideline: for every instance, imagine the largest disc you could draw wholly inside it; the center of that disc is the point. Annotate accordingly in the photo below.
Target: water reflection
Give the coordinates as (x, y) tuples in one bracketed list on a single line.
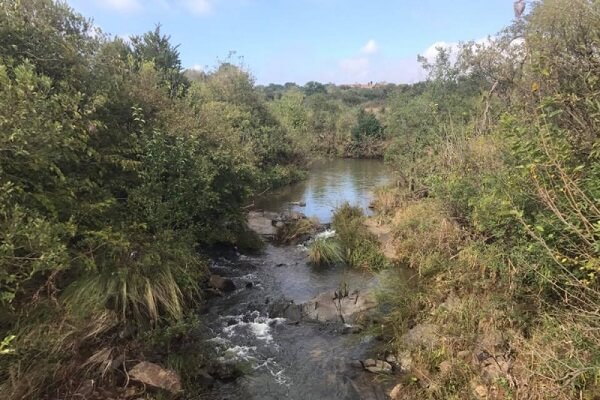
[(330, 184)]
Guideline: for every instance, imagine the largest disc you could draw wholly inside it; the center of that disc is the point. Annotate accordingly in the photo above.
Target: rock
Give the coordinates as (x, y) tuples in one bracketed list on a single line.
[(157, 377), (222, 284), (396, 392), (285, 309), (292, 216), (262, 223), (464, 355), (369, 363), (406, 361), (249, 285), (298, 203), (380, 367), (325, 309), (391, 359), (356, 364)]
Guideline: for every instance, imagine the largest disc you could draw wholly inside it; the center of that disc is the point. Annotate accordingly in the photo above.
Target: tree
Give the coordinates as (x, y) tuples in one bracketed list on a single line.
[(155, 47)]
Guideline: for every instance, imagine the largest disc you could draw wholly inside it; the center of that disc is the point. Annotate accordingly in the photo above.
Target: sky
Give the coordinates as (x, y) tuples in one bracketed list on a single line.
[(278, 41)]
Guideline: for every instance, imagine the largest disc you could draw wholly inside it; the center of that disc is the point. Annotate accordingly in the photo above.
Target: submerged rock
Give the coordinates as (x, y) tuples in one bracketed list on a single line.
[(157, 377), (222, 284)]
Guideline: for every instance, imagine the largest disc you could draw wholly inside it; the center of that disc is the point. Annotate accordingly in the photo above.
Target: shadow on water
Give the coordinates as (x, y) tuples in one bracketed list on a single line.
[(285, 360)]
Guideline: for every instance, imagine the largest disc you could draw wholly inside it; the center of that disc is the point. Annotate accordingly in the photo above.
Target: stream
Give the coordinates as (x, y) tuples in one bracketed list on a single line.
[(283, 359)]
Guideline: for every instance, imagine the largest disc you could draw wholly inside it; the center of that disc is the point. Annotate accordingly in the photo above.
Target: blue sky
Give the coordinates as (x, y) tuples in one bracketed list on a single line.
[(340, 41)]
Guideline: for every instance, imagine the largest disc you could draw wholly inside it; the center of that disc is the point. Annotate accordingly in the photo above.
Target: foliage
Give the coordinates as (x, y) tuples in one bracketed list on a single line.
[(504, 138), (116, 173)]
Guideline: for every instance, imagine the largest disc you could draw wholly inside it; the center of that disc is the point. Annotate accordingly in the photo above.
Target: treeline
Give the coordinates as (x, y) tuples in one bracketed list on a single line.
[(116, 170), (334, 121), (498, 213)]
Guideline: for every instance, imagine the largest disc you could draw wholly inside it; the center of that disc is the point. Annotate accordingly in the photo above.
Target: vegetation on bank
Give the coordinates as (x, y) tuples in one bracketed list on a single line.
[(497, 215), (116, 170)]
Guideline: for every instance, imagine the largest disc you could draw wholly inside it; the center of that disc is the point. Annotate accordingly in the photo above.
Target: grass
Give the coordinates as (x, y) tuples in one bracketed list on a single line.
[(325, 252), (360, 248)]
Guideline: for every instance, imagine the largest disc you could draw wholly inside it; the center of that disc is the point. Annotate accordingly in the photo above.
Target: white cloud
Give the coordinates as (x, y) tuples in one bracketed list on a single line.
[(121, 5), (370, 48), (200, 7), (197, 67)]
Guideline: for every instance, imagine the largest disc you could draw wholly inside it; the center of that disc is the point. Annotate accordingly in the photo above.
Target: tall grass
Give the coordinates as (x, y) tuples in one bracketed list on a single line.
[(360, 248), (325, 252)]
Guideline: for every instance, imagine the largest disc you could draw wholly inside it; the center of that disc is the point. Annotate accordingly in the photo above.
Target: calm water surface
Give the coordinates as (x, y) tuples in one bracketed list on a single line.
[(330, 184)]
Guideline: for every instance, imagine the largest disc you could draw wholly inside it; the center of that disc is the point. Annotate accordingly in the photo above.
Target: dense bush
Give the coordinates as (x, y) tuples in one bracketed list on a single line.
[(504, 140), (115, 171)]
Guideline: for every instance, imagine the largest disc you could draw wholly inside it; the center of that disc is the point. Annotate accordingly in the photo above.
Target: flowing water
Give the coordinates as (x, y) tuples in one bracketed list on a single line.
[(285, 360)]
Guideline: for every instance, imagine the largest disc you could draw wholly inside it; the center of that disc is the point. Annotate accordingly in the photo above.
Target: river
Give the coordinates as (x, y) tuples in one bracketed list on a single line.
[(284, 360)]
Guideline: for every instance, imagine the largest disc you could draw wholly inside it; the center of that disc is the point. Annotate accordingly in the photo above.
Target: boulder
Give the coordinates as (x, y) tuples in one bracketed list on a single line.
[(156, 377), (222, 284), (285, 309), (327, 308), (262, 223)]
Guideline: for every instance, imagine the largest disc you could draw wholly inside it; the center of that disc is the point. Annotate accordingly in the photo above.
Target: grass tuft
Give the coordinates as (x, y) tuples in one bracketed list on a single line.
[(325, 252)]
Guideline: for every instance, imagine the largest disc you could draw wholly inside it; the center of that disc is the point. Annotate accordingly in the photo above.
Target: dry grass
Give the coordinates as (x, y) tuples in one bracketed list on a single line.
[(424, 232)]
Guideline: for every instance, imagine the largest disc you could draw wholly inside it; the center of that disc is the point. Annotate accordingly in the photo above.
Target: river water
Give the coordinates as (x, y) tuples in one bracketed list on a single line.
[(281, 359)]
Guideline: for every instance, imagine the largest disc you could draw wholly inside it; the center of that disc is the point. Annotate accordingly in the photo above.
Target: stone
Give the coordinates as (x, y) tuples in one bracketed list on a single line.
[(406, 361), (369, 363), (380, 367), (249, 285), (262, 223), (285, 309), (325, 308), (356, 364), (156, 377), (391, 359), (222, 284), (396, 392)]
